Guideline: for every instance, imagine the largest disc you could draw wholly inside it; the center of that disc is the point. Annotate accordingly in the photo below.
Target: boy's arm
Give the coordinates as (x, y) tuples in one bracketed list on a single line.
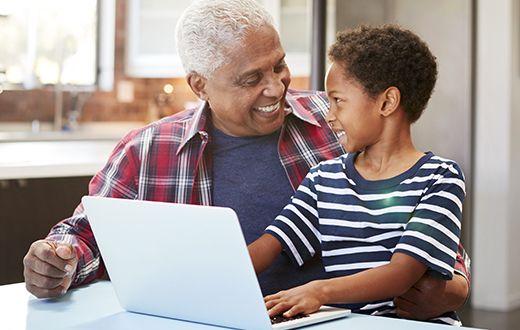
[(263, 251), (390, 280), (431, 297)]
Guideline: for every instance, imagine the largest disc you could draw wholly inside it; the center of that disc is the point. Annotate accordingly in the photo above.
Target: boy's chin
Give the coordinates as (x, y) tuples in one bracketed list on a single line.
[(352, 149)]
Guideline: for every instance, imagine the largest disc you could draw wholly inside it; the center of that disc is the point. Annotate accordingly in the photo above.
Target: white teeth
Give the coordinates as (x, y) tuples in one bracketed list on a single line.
[(340, 134), (269, 108)]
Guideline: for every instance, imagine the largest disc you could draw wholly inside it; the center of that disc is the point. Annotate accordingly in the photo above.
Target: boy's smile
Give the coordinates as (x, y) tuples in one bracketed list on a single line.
[(353, 115)]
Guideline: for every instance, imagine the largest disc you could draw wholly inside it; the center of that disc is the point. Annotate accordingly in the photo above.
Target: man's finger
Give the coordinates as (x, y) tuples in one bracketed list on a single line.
[(31, 262), (67, 281), (41, 281), (65, 251), (47, 253), (45, 293)]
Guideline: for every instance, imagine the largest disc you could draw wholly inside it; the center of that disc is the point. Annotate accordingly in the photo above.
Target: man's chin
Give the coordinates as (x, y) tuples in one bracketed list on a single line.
[(267, 129)]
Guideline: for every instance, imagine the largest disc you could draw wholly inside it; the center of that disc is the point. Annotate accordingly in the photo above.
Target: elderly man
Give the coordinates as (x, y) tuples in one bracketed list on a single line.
[(247, 146)]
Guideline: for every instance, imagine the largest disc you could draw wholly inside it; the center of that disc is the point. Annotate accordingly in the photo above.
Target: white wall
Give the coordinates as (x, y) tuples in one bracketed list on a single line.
[(445, 126), (496, 235), (514, 204)]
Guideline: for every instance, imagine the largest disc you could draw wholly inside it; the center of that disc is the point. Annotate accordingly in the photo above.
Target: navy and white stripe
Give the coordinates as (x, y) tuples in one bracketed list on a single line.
[(356, 224)]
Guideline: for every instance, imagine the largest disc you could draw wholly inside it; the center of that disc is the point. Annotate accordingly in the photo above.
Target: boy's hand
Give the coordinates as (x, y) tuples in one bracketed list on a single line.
[(304, 299), (48, 268)]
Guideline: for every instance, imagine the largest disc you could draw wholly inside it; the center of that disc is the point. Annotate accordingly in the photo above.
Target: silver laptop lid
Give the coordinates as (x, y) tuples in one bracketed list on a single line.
[(164, 259)]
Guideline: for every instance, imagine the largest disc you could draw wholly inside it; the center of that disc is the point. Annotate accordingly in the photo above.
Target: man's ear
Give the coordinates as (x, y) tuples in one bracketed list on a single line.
[(198, 85), (390, 101)]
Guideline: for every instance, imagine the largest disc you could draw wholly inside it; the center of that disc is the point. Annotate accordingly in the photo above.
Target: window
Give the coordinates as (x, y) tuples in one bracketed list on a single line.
[(293, 19), (49, 42), (151, 50)]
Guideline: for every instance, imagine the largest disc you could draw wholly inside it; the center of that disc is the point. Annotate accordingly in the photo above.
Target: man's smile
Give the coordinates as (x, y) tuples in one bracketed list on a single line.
[(268, 108)]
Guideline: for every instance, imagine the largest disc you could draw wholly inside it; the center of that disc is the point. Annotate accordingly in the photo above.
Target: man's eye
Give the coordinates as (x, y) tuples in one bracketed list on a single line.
[(253, 80), (280, 67)]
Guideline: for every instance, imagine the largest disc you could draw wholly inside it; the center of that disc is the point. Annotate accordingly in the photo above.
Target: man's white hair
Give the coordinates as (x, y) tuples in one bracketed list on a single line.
[(207, 28)]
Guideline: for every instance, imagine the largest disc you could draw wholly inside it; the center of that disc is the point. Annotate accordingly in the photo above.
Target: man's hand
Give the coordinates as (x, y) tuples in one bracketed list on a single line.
[(431, 297), (48, 268)]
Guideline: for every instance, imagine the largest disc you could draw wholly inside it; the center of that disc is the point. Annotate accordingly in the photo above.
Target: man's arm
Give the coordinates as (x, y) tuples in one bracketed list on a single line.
[(69, 256)]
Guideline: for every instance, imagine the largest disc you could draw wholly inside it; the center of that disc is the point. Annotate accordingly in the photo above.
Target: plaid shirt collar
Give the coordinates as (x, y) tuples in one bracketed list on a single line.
[(198, 122)]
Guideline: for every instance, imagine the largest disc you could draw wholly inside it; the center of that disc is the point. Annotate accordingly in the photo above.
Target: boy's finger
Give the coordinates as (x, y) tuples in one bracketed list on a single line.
[(279, 308), (295, 310), (271, 303)]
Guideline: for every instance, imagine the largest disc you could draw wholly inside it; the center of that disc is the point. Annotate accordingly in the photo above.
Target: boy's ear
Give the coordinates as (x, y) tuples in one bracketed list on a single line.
[(390, 101), (198, 85)]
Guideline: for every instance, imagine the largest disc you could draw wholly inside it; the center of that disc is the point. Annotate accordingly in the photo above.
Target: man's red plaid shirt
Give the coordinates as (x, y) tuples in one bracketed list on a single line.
[(168, 161)]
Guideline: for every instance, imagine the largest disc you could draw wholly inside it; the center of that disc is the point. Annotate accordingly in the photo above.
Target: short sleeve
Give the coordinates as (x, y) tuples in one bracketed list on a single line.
[(432, 233), (296, 226)]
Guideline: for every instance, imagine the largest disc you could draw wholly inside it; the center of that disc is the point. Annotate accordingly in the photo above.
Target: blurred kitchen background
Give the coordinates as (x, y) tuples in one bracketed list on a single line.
[(75, 76)]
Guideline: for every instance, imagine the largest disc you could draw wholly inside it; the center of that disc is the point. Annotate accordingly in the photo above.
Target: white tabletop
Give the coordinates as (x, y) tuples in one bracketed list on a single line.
[(49, 159), (96, 307)]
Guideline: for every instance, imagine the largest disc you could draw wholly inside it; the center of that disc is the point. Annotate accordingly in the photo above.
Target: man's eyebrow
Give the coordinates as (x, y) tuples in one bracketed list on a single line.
[(253, 71)]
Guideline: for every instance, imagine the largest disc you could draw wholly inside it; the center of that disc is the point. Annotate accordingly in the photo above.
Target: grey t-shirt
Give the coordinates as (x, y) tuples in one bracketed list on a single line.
[(249, 178)]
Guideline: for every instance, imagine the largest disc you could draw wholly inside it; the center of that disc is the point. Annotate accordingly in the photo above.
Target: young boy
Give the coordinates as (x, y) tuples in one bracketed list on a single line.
[(384, 213)]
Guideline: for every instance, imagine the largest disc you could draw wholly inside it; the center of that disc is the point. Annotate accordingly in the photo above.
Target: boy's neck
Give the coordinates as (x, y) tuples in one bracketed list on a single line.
[(388, 158)]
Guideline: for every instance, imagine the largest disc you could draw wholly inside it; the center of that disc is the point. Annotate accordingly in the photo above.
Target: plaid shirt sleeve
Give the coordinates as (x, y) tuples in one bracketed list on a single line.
[(116, 179), (463, 264)]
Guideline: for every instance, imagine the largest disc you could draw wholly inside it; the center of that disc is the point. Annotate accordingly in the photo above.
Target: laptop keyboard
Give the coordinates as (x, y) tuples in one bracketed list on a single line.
[(280, 318)]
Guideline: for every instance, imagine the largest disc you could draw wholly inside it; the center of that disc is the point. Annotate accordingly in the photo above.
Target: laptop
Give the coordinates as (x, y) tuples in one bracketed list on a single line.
[(186, 262)]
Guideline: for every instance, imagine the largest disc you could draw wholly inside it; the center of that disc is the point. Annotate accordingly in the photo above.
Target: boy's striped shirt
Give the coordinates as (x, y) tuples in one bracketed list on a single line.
[(357, 224)]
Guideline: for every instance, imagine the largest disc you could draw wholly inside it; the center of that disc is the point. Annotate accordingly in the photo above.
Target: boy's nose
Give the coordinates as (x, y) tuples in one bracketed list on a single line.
[(330, 117)]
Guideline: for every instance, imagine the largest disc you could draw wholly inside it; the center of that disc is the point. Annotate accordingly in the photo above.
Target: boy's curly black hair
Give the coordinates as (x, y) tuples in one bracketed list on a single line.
[(379, 57)]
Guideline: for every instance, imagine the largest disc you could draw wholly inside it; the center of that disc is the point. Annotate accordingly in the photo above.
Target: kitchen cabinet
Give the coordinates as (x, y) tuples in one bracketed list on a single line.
[(41, 182), (28, 209)]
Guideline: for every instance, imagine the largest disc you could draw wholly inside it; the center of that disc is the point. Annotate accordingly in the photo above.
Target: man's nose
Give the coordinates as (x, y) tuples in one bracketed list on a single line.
[(275, 87)]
